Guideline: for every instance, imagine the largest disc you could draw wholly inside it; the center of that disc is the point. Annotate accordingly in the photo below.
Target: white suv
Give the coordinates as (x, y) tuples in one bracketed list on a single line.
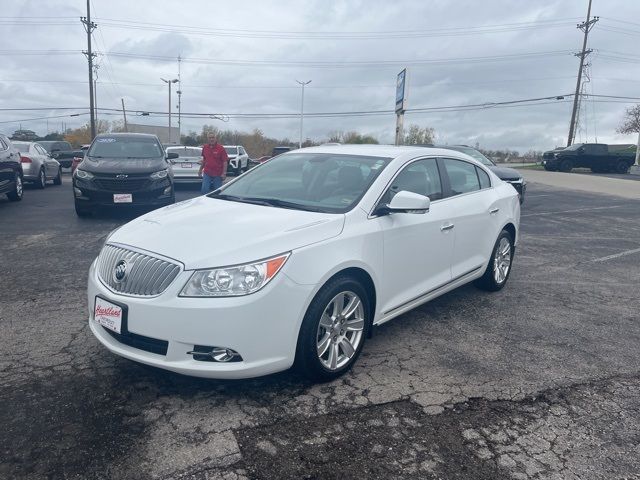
[(238, 159)]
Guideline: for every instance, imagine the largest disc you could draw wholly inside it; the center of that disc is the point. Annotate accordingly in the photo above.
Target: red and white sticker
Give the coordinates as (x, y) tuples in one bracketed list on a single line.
[(122, 198), (108, 314)]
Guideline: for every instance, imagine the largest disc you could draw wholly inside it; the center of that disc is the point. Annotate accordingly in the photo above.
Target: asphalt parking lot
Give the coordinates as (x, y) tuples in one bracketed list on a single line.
[(540, 380)]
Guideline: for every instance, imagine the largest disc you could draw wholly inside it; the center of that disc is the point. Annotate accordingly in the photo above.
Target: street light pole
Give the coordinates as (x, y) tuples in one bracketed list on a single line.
[(303, 84), (169, 82)]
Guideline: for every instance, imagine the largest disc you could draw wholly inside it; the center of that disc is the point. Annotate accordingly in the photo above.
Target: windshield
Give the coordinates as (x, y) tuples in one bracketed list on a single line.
[(472, 152), (231, 150), (125, 147), (322, 182), (575, 146), (21, 147)]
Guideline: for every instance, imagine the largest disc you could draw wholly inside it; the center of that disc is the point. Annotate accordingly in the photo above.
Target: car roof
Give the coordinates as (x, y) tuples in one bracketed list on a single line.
[(22, 142), (387, 151), (127, 135)]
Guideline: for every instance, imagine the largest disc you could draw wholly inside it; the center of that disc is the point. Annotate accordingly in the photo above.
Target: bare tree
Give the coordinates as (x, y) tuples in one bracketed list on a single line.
[(631, 124)]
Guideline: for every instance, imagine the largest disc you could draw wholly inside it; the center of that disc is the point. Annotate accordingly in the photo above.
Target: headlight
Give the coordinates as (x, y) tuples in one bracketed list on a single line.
[(83, 174), (159, 175), (233, 281)]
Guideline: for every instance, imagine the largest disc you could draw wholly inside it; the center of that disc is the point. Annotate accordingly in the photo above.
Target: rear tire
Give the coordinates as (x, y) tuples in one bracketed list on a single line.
[(58, 179), (18, 189), (42, 180), (622, 167), (340, 336), (499, 267)]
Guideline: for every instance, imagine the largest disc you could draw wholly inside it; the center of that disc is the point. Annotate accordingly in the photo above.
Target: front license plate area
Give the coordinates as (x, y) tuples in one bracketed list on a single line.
[(122, 198), (110, 315)]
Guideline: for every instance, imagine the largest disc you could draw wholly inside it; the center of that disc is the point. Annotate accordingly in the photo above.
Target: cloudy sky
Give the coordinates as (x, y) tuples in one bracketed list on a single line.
[(244, 57)]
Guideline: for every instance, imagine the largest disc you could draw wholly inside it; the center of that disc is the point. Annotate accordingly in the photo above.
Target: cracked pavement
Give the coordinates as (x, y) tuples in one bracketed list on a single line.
[(540, 380)]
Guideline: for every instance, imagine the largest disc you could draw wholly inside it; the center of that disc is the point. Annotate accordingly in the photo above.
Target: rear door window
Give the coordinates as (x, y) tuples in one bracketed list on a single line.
[(485, 182), (462, 176)]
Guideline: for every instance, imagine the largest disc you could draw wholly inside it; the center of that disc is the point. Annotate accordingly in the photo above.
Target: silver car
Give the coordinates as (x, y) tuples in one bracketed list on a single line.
[(186, 166), (37, 165)]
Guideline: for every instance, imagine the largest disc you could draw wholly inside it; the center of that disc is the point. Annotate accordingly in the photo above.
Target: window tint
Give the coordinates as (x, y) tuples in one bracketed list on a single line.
[(484, 178), (419, 177), (462, 176)]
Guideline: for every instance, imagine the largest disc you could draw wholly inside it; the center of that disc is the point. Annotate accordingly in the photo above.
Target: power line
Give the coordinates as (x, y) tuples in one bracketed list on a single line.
[(335, 35)]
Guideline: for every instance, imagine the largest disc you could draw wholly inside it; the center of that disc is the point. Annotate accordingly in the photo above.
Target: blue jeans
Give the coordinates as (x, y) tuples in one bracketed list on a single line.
[(210, 183)]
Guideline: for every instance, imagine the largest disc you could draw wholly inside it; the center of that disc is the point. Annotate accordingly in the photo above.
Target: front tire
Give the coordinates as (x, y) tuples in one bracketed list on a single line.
[(333, 330), (18, 189), (499, 268), (82, 210), (566, 166), (58, 179)]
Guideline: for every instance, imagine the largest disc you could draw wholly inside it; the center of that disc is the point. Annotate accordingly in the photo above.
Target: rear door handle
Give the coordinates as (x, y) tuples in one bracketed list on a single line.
[(493, 211), (445, 228)]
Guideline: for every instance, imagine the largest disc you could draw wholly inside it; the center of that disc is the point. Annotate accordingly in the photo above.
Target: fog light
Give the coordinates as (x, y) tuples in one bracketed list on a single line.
[(205, 353), (167, 190), (77, 192)]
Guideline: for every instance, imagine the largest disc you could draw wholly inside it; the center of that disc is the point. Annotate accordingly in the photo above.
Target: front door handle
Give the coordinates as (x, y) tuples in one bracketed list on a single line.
[(446, 228), (493, 211)]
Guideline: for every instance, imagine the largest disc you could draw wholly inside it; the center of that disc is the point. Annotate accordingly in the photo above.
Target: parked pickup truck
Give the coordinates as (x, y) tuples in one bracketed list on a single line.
[(599, 157), (63, 152)]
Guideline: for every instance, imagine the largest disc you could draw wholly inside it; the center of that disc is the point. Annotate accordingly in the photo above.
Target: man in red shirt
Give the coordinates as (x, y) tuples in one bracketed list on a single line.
[(213, 168)]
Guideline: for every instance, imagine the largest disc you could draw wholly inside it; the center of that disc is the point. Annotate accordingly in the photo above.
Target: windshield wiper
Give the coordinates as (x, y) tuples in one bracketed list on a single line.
[(276, 202), (233, 198)]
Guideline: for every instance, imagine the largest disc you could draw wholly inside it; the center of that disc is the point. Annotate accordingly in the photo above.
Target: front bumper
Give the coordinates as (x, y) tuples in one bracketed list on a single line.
[(152, 194), (262, 327), (520, 186)]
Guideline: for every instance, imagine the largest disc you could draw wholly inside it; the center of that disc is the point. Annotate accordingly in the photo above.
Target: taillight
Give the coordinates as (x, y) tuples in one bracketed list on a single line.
[(77, 159), (24, 159)]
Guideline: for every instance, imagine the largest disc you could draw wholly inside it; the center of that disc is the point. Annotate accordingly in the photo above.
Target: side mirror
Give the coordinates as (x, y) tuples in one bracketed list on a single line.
[(172, 155), (405, 202)]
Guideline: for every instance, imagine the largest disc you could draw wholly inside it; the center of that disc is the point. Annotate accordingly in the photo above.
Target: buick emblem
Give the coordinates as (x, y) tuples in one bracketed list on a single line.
[(120, 272), (122, 175)]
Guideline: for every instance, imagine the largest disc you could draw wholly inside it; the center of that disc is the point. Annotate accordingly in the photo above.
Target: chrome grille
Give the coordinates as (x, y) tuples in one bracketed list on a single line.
[(145, 275)]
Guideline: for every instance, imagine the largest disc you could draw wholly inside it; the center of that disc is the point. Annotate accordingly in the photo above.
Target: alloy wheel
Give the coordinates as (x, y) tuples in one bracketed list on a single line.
[(340, 330), (502, 261)]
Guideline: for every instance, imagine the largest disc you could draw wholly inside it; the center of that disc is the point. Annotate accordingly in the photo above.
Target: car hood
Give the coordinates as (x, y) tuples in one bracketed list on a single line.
[(123, 165), (507, 174), (205, 232)]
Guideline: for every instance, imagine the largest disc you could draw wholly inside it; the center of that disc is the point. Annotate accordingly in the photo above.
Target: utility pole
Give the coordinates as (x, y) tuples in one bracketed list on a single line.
[(124, 114), (169, 82), (89, 26), (95, 94), (586, 28), (303, 84), (179, 92)]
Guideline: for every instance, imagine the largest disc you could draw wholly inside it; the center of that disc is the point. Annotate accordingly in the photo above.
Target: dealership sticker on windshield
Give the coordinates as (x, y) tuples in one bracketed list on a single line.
[(108, 314), (122, 198), (105, 140)]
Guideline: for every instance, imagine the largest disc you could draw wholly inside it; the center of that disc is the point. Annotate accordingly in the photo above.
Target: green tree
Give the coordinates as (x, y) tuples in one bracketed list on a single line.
[(417, 135), (631, 124)]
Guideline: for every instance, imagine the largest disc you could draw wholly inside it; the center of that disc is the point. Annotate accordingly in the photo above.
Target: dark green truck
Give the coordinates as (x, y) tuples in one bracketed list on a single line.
[(599, 157)]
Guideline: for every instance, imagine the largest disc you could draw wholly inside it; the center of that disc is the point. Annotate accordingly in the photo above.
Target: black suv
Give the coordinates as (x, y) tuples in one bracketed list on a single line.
[(10, 170), (122, 169)]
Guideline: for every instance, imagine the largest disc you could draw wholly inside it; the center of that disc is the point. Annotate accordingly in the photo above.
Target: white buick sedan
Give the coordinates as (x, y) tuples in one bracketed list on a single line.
[(294, 262)]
